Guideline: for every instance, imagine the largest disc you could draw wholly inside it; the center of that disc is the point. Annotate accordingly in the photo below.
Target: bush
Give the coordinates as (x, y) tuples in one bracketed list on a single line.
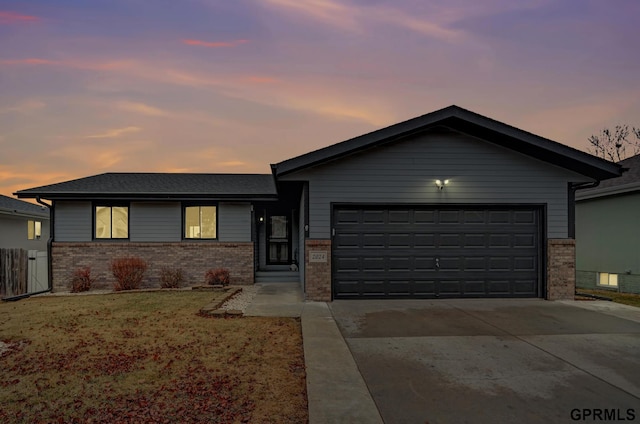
[(171, 278), (218, 276), (81, 280), (128, 272)]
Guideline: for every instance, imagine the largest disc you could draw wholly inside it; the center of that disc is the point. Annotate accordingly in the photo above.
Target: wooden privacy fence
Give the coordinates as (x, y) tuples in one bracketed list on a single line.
[(14, 272)]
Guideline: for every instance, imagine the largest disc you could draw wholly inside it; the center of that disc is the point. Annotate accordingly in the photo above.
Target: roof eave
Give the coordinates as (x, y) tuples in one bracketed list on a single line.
[(149, 196), (597, 193)]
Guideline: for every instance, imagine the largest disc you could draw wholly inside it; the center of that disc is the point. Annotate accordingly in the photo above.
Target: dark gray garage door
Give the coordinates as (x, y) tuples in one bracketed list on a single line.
[(427, 252)]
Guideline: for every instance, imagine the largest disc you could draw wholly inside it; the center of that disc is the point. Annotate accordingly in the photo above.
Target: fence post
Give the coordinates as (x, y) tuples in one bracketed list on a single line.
[(14, 270)]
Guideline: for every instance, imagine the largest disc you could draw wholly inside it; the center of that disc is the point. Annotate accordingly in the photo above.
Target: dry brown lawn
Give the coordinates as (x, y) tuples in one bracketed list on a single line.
[(625, 298), (147, 357)]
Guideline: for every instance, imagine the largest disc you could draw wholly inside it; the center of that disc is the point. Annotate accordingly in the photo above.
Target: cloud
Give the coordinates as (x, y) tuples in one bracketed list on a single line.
[(7, 17), (356, 19), (141, 108), (114, 133), (214, 44), (257, 79), (24, 107), (232, 163), (28, 61)]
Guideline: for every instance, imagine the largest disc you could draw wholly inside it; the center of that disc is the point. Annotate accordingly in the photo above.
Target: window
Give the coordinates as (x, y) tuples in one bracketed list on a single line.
[(112, 222), (34, 230), (200, 222), (607, 280)]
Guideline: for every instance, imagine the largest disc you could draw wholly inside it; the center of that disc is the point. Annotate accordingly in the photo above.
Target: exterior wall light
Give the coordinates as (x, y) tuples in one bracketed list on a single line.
[(440, 184)]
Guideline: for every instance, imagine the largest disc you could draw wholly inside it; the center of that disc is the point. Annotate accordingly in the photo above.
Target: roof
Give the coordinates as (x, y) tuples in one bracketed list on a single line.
[(627, 183), (159, 186), (466, 122), (11, 206)]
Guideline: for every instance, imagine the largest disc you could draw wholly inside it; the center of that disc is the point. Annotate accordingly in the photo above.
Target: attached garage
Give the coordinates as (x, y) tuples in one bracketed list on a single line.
[(450, 204), (436, 252)]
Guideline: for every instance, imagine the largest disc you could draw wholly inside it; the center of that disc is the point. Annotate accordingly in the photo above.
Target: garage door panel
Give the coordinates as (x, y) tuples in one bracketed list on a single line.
[(474, 288), (424, 217), (347, 240), (400, 241), (424, 240), (524, 240), (449, 217), (373, 240), (527, 263), (447, 240), (449, 287), (431, 252), (499, 217), (374, 217), (400, 217)]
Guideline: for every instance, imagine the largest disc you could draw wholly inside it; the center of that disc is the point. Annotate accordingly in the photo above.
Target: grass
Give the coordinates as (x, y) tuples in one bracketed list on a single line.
[(625, 298), (147, 357)]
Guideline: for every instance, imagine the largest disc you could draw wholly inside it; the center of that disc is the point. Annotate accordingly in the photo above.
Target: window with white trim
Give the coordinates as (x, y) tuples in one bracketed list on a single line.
[(607, 280)]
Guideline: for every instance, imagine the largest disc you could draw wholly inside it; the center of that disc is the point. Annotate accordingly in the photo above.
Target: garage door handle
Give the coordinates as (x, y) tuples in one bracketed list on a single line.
[(437, 263)]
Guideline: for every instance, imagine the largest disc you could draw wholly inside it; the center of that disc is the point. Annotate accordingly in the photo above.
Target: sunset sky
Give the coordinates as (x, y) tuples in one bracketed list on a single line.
[(225, 86)]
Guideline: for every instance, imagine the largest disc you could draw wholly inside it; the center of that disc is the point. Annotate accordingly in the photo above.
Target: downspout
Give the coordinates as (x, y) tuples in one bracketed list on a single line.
[(49, 259), (573, 187)]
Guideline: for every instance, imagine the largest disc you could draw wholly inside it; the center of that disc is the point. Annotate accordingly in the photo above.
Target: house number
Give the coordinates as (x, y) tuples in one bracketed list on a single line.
[(317, 256)]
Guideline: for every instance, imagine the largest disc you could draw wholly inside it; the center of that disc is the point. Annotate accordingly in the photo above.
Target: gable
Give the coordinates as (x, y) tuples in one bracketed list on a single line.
[(466, 122)]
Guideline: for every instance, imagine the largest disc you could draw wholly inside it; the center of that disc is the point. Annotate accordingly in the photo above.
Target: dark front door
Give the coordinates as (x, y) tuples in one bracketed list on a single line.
[(431, 252), (278, 240)]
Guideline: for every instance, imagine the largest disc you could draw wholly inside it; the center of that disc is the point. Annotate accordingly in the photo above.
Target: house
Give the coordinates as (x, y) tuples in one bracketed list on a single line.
[(448, 204), (23, 225), (608, 232)]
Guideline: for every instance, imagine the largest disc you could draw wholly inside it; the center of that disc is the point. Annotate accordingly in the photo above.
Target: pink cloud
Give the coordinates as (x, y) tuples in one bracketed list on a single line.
[(261, 80), (233, 43), (28, 61), (7, 17)]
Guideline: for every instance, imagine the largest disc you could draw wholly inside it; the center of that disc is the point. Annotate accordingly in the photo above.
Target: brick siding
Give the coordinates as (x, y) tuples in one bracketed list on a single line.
[(318, 274), (194, 259), (561, 269)]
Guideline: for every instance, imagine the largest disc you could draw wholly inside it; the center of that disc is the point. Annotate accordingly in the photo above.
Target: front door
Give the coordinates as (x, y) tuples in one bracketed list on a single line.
[(278, 234)]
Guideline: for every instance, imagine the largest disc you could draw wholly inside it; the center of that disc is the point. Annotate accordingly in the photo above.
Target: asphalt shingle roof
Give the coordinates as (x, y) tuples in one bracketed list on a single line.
[(628, 182), (9, 204), (160, 185), (632, 175)]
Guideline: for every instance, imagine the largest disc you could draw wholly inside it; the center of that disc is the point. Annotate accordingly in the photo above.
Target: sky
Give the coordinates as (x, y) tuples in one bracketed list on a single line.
[(224, 86)]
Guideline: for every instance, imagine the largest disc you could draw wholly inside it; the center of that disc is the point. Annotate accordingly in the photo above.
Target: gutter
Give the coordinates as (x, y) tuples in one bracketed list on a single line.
[(571, 203), (49, 259)]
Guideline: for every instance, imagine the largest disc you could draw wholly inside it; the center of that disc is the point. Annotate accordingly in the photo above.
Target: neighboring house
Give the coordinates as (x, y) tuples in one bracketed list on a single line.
[(23, 225), (608, 232), (449, 204)]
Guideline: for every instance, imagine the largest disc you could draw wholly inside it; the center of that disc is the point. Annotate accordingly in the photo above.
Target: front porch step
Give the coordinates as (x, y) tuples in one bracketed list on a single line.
[(277, 277)]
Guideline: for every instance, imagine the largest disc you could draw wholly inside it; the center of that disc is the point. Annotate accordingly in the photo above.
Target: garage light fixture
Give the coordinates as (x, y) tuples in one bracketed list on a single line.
[(440, 184)]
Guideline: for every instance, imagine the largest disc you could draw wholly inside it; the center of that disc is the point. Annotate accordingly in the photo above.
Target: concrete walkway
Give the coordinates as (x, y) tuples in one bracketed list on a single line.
[(336, 391)]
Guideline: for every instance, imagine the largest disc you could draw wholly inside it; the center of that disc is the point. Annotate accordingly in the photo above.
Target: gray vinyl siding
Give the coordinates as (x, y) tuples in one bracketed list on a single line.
[(234, 222), (14, 234), (608, 234), (155, 221), (405, 172), (151, 222), (73, 221)]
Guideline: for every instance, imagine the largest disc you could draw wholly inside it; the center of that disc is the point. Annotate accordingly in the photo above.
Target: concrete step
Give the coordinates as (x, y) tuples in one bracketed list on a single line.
[(277, 277)]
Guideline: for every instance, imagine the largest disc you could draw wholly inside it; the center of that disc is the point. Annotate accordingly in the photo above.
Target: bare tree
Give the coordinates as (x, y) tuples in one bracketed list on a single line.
[(613, 145)]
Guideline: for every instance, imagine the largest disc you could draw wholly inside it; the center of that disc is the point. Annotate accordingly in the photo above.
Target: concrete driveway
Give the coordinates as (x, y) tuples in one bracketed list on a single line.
[(490, 361)]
